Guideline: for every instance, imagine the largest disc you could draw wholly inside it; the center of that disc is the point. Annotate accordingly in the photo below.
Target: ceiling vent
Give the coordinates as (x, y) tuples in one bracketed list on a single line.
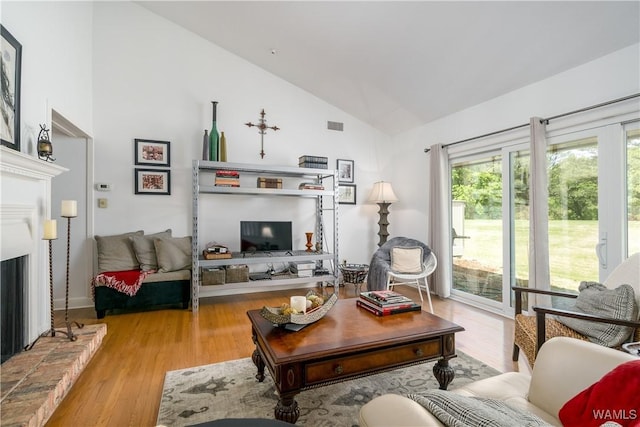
[(335, 126)]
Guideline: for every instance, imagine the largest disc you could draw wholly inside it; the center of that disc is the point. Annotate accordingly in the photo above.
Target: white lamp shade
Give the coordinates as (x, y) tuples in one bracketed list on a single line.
[(382, 193)]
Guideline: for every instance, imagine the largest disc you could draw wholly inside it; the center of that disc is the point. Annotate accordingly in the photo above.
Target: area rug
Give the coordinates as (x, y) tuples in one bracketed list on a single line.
[(230, 390)]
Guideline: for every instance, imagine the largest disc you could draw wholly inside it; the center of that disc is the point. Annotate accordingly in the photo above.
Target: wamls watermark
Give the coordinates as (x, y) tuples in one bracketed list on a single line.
[(615, 414)]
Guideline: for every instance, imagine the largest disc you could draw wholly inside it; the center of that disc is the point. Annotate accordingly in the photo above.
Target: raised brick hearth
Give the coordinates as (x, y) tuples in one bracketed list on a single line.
[(34, 382)]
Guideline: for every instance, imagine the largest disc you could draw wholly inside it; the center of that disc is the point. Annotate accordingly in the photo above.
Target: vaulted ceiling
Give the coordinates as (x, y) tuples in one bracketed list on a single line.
[(397, 65)]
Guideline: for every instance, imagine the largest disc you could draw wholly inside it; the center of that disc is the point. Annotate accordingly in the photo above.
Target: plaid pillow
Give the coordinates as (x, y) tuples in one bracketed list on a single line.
[(597, 299)]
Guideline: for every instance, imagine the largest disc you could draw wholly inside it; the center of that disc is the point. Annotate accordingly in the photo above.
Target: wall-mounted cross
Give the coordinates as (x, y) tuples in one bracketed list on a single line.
[(262, 126)]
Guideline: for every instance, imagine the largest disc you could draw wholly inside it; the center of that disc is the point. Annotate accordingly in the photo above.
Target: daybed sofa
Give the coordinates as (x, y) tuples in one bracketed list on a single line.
[(162, 262), (568, 374)]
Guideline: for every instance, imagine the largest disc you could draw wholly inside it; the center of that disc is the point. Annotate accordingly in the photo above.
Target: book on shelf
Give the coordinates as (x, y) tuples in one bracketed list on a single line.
[(297, 266), (378, 311), (310, 186), (313, 165), (229, 173), (313, 159), (213, 255), (386, 298), (227, 182)]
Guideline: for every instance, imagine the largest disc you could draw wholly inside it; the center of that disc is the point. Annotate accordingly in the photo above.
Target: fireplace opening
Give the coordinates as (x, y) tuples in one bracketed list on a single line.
[(13, 274)]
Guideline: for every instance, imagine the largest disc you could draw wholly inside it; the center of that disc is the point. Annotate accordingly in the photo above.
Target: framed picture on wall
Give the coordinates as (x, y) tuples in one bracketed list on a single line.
[(11, 58), (345, 170), (152, 181), (152, 153), (347, 194)]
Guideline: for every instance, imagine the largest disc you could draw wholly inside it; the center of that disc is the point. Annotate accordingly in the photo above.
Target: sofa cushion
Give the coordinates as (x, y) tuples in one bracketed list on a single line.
[(173, 253), (597, 299), (145, 249), (115, 253), (406, 259), (614, 398), (456, 410), (169, 276)]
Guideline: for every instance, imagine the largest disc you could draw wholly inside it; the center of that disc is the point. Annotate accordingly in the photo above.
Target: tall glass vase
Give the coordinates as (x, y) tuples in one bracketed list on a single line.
[(205, 145), (223, 147), (214, 138)]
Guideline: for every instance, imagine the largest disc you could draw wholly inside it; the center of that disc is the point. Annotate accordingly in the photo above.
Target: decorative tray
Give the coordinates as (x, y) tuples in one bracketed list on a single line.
[(275, 316)]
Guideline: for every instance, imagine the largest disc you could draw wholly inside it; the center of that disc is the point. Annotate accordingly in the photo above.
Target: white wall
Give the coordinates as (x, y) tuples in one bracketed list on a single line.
[(56, 39), (56, 63), (610, 77), (155, 80)]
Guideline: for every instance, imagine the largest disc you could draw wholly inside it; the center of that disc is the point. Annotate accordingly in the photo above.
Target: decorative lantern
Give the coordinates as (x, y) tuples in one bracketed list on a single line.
[(45, 149)]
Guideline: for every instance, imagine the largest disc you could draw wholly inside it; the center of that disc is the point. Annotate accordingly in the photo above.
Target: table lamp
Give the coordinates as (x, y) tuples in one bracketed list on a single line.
[(382, 194)]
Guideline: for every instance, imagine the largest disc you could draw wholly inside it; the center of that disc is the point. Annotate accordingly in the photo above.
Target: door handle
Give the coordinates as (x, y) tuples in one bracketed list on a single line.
[(601, 250)]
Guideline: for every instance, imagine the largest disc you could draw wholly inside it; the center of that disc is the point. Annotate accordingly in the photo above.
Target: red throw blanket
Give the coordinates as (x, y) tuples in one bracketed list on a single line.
[(128, 282)]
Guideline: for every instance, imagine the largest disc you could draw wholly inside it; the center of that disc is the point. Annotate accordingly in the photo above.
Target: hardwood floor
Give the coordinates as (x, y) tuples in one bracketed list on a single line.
[(123, 382)]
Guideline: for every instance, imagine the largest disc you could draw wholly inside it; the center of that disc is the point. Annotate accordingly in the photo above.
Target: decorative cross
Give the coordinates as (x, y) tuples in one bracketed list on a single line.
[(262, 126)]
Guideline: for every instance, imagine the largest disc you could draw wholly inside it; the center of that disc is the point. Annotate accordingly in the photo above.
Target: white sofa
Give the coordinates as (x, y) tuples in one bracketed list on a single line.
[(564, 367)]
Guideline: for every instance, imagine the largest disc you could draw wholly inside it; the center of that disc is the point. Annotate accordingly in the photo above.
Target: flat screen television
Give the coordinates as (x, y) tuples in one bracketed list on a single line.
[(265, 236)]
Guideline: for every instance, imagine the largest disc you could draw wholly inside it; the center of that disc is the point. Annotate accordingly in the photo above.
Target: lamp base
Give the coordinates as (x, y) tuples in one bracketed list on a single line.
[(383, 222)]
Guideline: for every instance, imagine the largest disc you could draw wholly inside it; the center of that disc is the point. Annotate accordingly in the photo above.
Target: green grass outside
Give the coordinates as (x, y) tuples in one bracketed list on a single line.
[(572, 256)]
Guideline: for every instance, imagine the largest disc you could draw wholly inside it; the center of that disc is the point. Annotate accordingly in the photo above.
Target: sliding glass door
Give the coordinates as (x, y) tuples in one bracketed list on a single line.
[(588, 201)]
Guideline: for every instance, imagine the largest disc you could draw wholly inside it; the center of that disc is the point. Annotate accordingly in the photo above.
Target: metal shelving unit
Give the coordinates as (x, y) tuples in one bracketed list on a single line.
[(326, 200)]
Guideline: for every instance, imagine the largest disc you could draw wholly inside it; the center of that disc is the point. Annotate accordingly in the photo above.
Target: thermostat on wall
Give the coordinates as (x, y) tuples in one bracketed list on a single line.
[(103, 187)]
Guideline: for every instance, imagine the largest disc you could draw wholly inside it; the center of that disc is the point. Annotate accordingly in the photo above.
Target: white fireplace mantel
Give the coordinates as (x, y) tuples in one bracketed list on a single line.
[(25, 191)]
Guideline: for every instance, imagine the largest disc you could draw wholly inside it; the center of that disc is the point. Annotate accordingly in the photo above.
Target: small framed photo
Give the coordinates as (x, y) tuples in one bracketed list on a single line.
[(347, 194), (345, 170), (11, 59), (153, 181), (152, 153)]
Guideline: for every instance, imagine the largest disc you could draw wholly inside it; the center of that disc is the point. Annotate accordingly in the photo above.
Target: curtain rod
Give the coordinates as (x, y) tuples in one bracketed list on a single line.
[(581, 110)]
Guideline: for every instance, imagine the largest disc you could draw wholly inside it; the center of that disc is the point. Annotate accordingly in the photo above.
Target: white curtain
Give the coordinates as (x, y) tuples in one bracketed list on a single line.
[(439, 227), (538, 215)]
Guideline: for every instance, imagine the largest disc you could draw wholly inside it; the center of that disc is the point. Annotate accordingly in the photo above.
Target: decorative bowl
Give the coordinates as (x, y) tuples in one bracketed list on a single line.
[(275, 316)]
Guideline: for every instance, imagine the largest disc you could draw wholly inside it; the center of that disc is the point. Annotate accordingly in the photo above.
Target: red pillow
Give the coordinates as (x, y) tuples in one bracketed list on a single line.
[(616, 397)]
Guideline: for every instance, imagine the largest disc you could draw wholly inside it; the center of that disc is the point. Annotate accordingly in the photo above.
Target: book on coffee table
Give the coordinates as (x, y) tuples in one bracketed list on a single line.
[(386, 299), (379, 311)]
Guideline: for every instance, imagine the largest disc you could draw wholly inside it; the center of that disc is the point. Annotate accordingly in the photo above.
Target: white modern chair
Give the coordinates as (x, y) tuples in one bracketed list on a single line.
[(413, 279)]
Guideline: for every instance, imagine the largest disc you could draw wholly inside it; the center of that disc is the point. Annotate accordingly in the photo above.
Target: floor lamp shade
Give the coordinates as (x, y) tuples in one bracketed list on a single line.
[(382, 194)]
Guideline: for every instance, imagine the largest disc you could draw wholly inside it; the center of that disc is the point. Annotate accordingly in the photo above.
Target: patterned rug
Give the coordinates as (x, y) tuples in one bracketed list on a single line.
[(230, 390)]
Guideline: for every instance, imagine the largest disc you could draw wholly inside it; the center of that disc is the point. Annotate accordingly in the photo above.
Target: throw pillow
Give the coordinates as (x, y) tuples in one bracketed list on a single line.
[(115, 253), (455, 410), (406, 259), (173, 253), (614, 398), (145, 250), (597, 299)]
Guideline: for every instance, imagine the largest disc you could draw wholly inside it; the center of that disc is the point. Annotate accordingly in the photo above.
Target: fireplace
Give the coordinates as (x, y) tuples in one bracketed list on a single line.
[(13, 273), (26, 202)]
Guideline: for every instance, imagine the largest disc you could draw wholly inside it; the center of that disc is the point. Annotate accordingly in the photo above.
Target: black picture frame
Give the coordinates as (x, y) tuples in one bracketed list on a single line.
[(345, 170), (11, 65), (152, 181), (347, 194), (149, 152)]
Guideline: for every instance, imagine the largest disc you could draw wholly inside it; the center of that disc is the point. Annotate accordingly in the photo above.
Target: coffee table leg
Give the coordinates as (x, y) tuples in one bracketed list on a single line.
[(443, 373), (287, 409), (257, 360)]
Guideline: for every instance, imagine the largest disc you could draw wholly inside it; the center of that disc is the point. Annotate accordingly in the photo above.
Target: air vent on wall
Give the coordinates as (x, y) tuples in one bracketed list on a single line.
[(335, 126)]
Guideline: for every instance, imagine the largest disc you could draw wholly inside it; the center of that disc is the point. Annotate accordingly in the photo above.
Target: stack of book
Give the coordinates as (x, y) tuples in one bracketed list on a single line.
[(302, 268), (227, 178), (314, 162), (310, 186), (383, 303), (269, 182)]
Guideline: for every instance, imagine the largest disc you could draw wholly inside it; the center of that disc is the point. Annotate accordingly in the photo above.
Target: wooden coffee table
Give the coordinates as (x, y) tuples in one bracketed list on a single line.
[(348, 342)]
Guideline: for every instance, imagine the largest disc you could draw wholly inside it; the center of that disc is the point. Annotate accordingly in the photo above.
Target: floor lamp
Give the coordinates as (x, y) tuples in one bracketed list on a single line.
[(69, 210), (383, 195)]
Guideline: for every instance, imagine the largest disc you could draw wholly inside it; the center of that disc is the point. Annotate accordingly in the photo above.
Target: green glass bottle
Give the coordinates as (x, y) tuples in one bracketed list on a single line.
[(214, 138)]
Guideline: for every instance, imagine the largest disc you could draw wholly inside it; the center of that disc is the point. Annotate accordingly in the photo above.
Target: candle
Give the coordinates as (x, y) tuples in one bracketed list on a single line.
[(69, 209), (299, 304), (50, 230)]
